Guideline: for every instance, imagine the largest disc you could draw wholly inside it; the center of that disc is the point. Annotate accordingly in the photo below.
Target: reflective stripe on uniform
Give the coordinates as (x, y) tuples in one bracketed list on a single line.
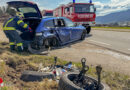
[(25, 26), (8, 28), (19, 21), (11, 43), (19, 44)]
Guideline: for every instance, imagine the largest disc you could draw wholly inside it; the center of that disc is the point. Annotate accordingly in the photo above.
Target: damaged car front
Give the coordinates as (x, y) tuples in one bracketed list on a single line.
[(46, 35)]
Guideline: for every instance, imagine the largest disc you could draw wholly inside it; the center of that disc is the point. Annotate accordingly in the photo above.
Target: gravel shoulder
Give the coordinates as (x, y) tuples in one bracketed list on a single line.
[(95, 55)]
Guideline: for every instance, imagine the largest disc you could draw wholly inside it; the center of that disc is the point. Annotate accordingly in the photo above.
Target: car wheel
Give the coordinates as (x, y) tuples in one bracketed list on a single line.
[(66, 83), (55, 42), (47, 43), (42, 50), (35, 76), (83, 35)]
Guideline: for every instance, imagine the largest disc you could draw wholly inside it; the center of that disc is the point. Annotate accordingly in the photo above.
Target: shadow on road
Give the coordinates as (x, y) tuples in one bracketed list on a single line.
[(89, 35), (69, 44)]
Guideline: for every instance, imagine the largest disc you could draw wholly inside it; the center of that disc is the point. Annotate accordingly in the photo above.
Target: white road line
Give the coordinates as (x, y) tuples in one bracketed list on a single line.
[(128, 49), (99, 42)]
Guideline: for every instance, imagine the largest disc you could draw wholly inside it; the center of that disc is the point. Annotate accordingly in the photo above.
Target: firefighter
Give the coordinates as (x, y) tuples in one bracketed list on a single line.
[(10, 28)]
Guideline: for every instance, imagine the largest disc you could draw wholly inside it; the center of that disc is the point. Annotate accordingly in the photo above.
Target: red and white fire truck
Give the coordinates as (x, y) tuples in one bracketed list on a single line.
[(79, 13), (47, 13)]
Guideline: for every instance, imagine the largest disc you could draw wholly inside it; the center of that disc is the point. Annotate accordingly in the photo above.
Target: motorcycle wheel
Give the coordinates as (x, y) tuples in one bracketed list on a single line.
[(66, 82)]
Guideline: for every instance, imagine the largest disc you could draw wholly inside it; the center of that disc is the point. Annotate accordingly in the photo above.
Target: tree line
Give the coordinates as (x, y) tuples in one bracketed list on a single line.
[(4, 10)]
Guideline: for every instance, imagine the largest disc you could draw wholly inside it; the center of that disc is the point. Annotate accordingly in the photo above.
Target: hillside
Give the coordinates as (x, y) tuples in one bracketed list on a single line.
[(114, 17)]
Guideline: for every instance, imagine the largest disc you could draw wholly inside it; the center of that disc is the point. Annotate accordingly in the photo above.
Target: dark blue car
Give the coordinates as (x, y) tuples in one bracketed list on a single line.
[(48, 31)]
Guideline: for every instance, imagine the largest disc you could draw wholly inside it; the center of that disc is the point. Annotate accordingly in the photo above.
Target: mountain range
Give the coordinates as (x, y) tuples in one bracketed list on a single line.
[(114, 17)]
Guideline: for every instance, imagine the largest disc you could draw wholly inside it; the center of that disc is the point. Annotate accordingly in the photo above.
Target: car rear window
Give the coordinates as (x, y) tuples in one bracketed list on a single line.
[(27, 10)]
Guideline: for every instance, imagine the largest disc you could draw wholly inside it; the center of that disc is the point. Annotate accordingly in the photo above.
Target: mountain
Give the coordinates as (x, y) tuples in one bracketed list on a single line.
[(114, 17)]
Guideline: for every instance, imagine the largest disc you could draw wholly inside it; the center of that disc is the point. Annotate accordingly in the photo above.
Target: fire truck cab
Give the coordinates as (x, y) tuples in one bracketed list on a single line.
[(79, 13)]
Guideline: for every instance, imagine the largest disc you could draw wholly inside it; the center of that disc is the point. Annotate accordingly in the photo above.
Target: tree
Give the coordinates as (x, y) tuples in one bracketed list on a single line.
[(4, 11), (1, 12)]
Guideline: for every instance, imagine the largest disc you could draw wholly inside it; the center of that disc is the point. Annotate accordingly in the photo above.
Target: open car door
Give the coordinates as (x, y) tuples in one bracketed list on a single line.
[(32, 16)]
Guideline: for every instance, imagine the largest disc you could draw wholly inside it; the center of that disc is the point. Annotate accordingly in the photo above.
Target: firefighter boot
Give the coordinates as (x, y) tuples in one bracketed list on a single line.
[(12, 47), (20, 48)]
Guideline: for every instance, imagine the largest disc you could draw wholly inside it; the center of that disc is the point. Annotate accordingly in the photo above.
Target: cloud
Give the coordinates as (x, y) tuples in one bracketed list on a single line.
[(103, 6), (113, 6)]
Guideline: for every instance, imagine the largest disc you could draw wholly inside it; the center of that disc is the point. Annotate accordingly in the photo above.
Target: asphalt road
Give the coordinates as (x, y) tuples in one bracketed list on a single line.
[(119, 41)]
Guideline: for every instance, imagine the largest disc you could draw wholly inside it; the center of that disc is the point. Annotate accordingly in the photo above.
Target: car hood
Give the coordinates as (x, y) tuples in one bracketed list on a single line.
[(23, 4)]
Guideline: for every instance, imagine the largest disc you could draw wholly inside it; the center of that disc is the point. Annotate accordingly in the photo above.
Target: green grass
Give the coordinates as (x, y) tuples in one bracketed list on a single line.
[(113, 27), (21, 61)]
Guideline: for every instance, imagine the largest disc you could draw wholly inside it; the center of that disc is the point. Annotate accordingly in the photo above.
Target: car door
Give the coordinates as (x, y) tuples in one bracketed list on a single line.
[(62, 31), (75, 31)]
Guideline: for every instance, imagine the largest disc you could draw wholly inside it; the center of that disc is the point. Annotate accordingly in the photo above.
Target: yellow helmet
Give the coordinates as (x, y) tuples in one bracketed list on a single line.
[(19, 14)]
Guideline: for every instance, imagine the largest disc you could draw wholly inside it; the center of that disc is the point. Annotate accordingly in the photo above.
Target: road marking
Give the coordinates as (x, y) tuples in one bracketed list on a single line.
[(128, 49), (99, 42)]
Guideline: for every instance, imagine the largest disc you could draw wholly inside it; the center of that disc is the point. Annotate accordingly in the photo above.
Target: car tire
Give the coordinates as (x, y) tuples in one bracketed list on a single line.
[(30, 76), (66, 84), (88, 29), (40, 51), (83, 35), (55, 42)]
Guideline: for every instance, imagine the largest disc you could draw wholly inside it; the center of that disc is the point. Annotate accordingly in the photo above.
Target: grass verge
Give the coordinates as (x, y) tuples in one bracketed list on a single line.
[(119, 29), (13, 64), (114, 27)]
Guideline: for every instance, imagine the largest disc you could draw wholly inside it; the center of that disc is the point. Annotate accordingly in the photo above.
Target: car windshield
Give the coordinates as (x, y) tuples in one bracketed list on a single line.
[(27, 10), (69, 23), (84, 8), (49, 14)]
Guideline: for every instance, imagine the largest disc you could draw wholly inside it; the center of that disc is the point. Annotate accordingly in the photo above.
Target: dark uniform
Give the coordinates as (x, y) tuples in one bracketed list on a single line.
[(10, 27)]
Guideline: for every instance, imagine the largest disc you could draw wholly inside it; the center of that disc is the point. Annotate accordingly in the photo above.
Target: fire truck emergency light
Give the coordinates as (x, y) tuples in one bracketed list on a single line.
[(90, 1), (73, 1)]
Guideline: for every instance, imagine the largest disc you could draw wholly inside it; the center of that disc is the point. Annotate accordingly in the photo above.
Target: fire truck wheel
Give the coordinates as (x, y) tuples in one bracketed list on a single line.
[(66, 82), (83, 35), (88, 29)]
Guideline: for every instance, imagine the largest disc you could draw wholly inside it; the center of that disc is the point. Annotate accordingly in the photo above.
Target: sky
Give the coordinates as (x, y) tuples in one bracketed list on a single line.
[(103, 6)]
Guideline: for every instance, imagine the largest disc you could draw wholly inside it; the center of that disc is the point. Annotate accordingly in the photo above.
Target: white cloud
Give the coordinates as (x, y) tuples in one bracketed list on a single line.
[(113, 6)]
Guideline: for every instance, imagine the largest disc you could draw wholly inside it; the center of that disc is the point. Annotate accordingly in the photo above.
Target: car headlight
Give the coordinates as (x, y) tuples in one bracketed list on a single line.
[(39, 34)]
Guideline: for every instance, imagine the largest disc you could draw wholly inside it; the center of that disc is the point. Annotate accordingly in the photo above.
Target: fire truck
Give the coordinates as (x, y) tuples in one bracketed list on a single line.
[(80, 13), (47, 13)]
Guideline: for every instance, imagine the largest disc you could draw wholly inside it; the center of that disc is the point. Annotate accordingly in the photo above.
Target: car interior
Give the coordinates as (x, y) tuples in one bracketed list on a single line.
[(33, 23), (59, 23)]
